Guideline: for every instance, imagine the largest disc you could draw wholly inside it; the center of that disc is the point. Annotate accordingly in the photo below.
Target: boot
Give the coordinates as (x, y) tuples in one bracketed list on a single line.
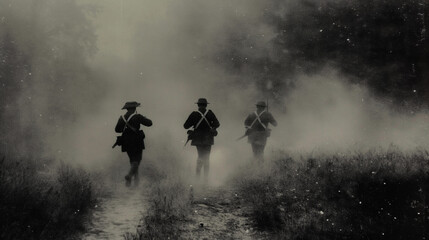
[(127, 180)]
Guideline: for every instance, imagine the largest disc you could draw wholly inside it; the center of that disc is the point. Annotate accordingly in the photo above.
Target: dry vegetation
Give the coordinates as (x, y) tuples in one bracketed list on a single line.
[(169, 203), (372, 195), (36, 203)]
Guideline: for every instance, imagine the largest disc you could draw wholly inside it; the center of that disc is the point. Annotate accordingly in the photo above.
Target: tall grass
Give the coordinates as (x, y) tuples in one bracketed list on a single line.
[(169, 203), (372, 195), (36, 203)]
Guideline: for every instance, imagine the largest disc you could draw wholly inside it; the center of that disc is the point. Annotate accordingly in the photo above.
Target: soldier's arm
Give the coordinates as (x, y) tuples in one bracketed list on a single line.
[(145, 121), (214, 122), (272, 120), (120, 125), (190, 121), (248, 121)]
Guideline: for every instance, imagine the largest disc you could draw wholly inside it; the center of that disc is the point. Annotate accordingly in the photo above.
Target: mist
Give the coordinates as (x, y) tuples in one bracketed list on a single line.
[(165, 54)]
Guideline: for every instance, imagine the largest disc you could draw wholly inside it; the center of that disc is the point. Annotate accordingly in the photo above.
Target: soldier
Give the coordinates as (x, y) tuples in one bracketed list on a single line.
[(257, 129), (132, 138), (204, 123)]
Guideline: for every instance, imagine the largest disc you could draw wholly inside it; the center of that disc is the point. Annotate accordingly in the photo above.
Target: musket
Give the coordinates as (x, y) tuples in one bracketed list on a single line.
[(186, 142), (267, 105), (190, 132), (245, 135), (117, 142), (267, 129)]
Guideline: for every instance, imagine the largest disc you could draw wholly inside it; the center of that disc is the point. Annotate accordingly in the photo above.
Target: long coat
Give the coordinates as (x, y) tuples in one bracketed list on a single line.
[(203, 135), (257, 134), (132, 141)]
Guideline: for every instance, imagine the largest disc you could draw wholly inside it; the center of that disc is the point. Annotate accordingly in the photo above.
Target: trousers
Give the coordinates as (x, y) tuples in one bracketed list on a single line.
[(258, 151), (135, 159), (203, 159)]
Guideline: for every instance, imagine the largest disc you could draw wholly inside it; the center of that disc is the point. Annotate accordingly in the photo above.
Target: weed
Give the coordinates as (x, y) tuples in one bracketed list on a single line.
[(42, 205), (169, 204), (368, 195)]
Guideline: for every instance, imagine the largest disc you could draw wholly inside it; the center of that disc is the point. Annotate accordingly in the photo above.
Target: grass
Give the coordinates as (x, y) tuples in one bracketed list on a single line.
[(37, 203), (169, 199), (372, 195), (169, 203)]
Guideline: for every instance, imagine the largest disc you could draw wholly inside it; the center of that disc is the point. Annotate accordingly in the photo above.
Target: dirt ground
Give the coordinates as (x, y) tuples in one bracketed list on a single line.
[(118, 212), (218, 213)]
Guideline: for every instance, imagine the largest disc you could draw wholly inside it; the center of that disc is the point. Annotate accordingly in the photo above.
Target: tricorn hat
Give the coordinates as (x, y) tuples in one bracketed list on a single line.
[(202, 101), (131, 105), (261, 104)]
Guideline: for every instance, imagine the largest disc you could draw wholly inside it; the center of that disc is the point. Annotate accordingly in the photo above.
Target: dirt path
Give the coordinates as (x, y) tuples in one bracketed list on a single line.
[(117, 213), (217, 213)]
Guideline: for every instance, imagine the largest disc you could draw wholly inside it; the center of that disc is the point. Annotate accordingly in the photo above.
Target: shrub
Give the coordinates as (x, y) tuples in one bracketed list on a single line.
[(344, 196), (169, 203), (37, 204)]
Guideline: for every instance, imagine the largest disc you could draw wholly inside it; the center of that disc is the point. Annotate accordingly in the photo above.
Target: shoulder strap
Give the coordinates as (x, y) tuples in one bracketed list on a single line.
[(203, 117), (258, 119), (127, 120)]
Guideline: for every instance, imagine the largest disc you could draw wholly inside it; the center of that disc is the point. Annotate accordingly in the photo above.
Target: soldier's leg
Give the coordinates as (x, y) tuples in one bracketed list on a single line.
[(129, 175), (261, 152), (255, 150), (135, 166), (258, 151), (200, 158), (134, 171), (136, 175), (135, 158), (206, 161)]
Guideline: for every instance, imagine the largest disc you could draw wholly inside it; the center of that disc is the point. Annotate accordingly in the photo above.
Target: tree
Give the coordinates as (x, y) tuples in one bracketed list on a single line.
[(377, 43), (44, 51)]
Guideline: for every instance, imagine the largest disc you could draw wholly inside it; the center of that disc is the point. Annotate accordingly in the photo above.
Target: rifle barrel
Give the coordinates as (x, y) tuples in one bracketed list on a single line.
[(238, 139)]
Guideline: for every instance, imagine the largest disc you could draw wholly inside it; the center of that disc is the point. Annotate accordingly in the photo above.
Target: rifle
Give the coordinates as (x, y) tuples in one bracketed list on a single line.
[(118, 141), (190, 136), (267, 105), (245, 135), (187, 140)]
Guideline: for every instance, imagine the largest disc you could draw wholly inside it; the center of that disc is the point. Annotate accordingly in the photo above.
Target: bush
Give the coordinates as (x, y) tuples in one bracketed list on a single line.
[(40, 204), (169, 203), (344, 196)]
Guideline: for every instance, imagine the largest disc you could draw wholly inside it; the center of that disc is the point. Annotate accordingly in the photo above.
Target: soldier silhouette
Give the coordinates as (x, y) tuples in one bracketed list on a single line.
[(257, 129), (132, 138), (204, 123)]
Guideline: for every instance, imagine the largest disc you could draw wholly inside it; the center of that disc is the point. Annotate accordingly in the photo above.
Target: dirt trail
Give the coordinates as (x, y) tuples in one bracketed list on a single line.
[(118, 213), (217, 213)]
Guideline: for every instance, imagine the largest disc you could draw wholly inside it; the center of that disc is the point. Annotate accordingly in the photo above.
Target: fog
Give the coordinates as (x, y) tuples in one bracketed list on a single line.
[(158, 54), (164, 55)]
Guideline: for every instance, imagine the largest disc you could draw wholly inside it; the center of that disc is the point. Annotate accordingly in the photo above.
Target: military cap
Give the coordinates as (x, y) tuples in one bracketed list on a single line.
[(131, 105), (261, 104), (202, 101)]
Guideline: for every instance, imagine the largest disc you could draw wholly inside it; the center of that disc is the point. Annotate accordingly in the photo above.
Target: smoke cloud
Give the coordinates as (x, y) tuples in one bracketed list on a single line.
[(164, 55)]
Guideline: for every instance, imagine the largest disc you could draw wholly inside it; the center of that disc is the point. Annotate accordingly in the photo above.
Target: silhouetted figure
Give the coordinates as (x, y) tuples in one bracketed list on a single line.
[(132, 139), (204, 123), (257, 129)]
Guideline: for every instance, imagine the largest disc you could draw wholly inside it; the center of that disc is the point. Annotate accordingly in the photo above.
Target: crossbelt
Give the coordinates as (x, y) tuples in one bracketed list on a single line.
[(126, 121), (258, 119), (203, 117)]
